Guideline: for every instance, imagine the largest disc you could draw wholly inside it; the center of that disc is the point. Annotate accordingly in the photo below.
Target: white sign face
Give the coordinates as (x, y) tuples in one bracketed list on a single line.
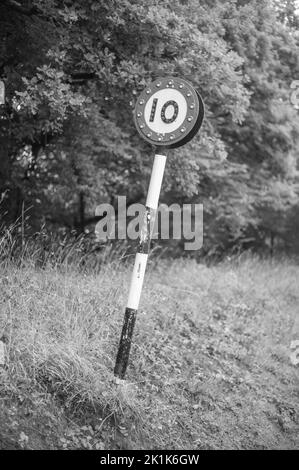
[(165, 111), (2, 92), (168, 112)]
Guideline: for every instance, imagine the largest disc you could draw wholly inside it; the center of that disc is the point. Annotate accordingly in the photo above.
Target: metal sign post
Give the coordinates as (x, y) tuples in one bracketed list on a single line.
[(168, 114)]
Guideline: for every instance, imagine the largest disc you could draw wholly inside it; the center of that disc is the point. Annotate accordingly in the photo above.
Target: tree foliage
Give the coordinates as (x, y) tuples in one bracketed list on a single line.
[(72, 71)]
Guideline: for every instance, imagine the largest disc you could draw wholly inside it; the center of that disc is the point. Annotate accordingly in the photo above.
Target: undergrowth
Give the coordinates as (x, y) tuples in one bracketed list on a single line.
[(209, 368)]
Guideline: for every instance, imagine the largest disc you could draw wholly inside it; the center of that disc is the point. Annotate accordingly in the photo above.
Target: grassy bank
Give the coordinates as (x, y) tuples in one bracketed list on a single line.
[(210, 367)]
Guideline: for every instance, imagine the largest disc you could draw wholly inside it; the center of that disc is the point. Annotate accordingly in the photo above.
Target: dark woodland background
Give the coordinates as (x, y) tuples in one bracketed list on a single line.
[(72, 71)]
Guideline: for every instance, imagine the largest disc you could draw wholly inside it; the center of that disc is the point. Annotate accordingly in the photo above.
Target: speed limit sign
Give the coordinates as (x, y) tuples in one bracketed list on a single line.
[(169, 112)]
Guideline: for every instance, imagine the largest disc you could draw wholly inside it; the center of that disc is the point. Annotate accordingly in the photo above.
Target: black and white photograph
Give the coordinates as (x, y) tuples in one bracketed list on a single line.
[(149, 229)]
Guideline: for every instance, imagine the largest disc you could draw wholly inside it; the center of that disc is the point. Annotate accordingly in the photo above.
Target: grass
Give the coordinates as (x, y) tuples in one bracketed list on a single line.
[(209, 369)]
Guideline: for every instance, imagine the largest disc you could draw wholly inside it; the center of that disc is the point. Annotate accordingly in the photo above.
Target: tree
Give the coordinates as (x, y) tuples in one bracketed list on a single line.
[(88, 66), (73, 70)]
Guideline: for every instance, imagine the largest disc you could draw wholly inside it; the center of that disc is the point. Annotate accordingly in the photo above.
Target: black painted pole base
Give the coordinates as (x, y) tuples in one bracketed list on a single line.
[(123, 353)]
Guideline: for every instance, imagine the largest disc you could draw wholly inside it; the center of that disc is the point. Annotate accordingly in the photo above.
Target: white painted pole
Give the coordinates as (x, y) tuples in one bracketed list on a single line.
[(140, 266), (156, 181)]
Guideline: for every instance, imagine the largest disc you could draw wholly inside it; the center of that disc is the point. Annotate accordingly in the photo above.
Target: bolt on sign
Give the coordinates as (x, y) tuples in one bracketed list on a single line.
[(168, 114), (2, 92)]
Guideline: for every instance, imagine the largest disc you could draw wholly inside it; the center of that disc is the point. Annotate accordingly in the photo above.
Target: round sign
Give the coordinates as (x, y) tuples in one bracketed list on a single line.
[(169, 112)]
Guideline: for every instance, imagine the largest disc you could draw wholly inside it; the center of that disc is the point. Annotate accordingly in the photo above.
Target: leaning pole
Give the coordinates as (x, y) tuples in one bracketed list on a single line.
[(168, 114)]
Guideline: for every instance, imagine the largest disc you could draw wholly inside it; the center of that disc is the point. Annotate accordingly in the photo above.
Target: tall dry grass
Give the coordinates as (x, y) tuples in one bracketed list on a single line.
[(210, 361)]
